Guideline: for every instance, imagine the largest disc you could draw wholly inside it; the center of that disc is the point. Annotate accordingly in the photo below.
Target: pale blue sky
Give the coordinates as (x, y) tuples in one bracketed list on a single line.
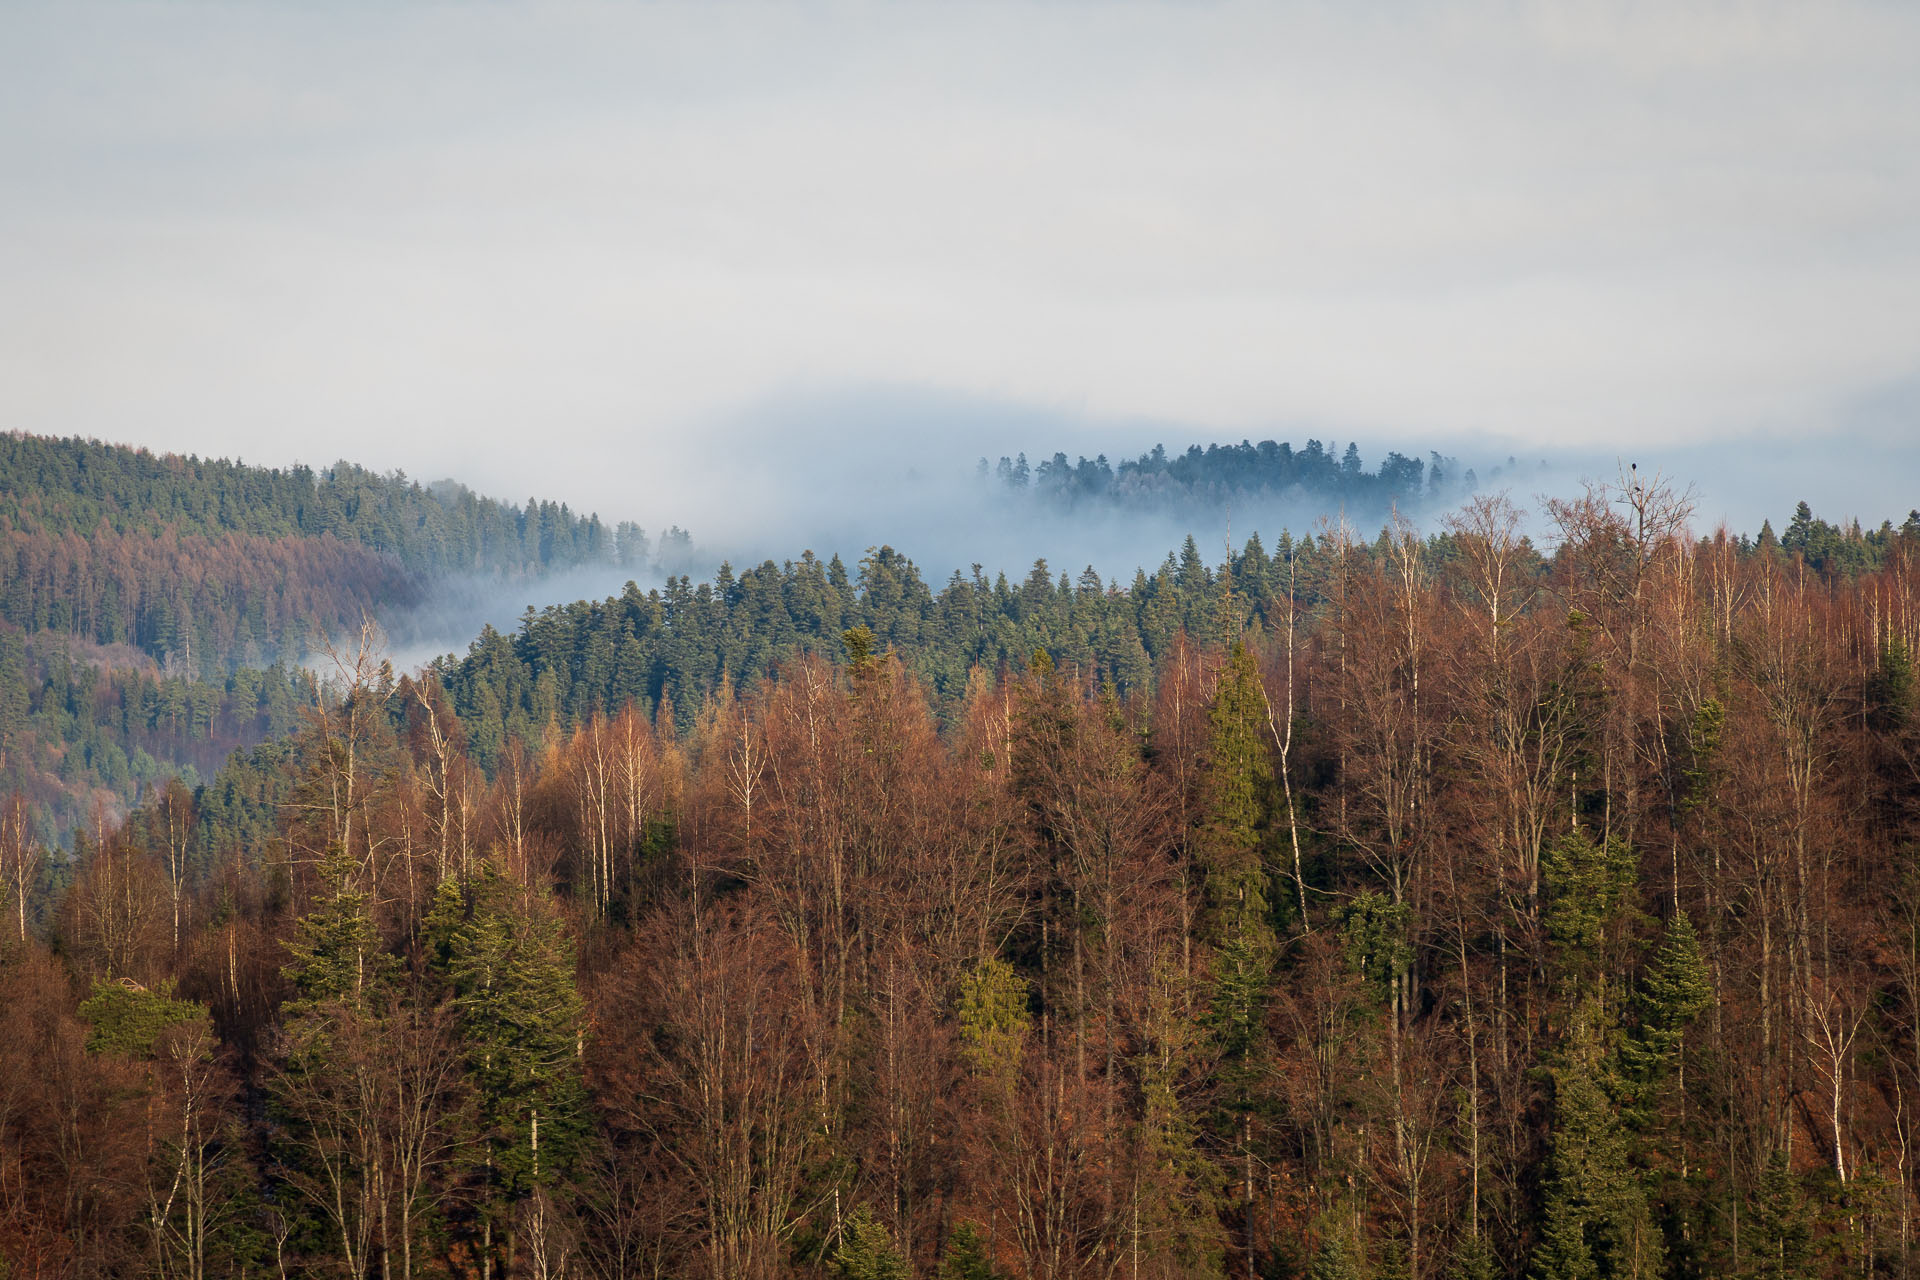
[(428, 236)]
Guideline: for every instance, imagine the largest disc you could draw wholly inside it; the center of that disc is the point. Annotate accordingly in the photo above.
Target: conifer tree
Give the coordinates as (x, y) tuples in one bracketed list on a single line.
[(1337, 1256), (866, 1250), (335, 947), (994, 1020), (1781, 1240), (1238, 915), (1177, 1197), (131, 1020), (1473, 1259), (1673, 993), (1237, 919), (1373, 938), (1596, 1222), (509, 968), (1590, 887), (965, 1257), (326, 1139)]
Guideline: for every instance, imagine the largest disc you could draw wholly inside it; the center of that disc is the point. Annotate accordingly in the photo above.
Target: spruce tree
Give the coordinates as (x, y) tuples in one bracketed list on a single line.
[(509, 969), (866, 1250), (1373, 939), (1781, 1239), (1337, 1256), (965, 1257), (324, 1138), (1674, 991), (1473, 1259), (336, 949), (130, 1020), (1590, 887), (1596, 1221), (1238, 917)]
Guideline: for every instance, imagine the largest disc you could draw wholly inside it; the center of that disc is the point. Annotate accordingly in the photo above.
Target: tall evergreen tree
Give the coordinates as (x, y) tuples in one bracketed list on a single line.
[(1238, 915), (1596, 1224), (866, 1250), (1590, 886), (509, 969), (1674, 991), (1781, 1242), (965, 1257), (335, 947), (1237, 919)]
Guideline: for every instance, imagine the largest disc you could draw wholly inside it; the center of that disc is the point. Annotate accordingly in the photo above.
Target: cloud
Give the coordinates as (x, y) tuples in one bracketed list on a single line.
[(568, 249)]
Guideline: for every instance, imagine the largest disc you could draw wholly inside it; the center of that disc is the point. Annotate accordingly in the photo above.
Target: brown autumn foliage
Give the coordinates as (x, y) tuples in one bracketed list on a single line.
[(870, 988)]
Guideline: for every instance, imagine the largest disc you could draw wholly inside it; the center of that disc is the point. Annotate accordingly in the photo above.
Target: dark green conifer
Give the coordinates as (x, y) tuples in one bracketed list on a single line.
[(1237, 919), (1781, 1240), (1373, 938), (1590, 887), (335, 947), (1337, 1257), (966, 1256), (509, 968), (1473, 1259), (1674, 991), (866, 1250), (129, 1020), (1892, 692), (1596, 1221)]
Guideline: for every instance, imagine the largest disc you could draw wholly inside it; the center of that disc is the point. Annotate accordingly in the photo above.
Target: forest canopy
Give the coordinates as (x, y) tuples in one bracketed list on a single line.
[(1426, 905)]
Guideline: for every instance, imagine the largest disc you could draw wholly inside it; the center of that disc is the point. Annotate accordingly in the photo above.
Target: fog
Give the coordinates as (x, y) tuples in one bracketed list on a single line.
[(840, 474), (457, 609), (845, 472), (781, 274), (612, 253)]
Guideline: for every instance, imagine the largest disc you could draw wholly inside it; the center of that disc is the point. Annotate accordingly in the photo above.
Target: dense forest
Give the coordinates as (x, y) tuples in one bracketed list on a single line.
[(154, 609), (1416, 906), (82, 730), (210, 565), (1206, 479), (682, 643)]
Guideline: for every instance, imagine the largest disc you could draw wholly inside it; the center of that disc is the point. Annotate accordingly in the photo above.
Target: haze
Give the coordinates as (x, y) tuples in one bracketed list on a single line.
[(768, 272)]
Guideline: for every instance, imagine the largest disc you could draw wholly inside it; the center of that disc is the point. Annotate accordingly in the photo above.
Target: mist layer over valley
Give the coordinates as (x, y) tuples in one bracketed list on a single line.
[(923, 641), (842, 475)]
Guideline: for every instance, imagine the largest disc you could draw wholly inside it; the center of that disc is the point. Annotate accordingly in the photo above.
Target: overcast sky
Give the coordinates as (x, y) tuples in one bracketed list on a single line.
[(609, 253)]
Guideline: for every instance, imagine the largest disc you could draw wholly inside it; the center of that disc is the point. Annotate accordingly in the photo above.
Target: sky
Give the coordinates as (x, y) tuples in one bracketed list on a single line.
[(773, 272)]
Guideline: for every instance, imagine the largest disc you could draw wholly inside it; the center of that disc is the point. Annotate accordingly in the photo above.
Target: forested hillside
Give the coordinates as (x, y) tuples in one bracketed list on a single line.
[(681, 643), (154, 609), (1207, 479), (1423, 907), (210, 565), (83, 732)]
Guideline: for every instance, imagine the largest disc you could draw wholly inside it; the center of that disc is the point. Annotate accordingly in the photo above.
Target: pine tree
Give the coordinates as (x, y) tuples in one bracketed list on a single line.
[(509, 969), (1237, 918), (1337, 1256), (1473, 1259), (1782, 1241), (1373, 938), (335, 947), (965, 1257), (1891, 691), (1564, 1252), (1675, 990), (1177, 1199), (994, 1020), (866, 1250), (1239, 921), (130, 1020), (1589, 892), (1597, 1224)]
